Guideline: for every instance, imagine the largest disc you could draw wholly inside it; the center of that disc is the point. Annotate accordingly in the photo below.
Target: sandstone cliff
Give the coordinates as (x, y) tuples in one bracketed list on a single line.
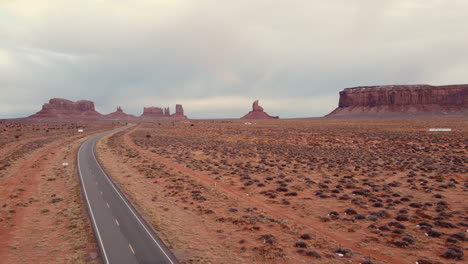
[(62, 108), (402, 100), (257, 113)]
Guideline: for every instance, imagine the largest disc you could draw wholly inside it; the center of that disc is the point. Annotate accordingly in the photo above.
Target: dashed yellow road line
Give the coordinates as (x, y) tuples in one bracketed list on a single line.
[(131, 248)]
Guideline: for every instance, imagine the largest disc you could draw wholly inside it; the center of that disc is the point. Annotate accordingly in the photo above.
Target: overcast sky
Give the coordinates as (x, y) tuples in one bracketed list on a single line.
[(216, 57)]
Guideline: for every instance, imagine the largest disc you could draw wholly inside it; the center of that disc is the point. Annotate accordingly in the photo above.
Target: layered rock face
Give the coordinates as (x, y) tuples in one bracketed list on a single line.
[(163, 113), (402, 100), (119, 114), (62, 108), (257, 113)]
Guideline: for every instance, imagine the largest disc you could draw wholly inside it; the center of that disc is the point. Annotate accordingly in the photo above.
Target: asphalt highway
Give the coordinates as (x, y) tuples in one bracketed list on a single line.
[(122, 235)]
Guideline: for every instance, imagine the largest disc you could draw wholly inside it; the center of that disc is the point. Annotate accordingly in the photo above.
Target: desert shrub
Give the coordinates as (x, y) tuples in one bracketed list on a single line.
[(453, 253), (300, 244)]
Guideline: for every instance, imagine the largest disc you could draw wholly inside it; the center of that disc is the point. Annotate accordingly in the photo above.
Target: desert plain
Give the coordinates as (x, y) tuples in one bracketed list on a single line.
[(236, 191)]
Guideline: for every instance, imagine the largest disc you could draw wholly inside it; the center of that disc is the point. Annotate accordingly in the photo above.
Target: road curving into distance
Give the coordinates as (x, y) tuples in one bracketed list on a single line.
[(122, 235)]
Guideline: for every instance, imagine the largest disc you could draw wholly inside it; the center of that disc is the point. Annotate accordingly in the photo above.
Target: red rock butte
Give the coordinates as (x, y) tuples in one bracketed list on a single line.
[(62, 108), (58, 108), (402, 101), (257, 113), (163, 113), (179, 114), (119, 114)]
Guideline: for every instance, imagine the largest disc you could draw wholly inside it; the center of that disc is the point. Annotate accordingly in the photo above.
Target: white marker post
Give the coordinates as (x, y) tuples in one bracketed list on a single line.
[(80, 130)]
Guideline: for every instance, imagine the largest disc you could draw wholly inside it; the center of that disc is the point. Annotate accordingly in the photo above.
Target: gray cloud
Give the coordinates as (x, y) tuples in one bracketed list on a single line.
[(216, 58)]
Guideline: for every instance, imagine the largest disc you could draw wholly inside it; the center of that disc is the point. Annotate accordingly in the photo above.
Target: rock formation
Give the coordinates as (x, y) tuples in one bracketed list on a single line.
[(163, 113), (179, 112), (119, 114), (167, 111), (258, 113), (153, 112), (402, 100), (62, 108)]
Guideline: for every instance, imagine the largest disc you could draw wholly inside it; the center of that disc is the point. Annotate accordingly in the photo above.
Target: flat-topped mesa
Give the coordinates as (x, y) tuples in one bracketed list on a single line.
[(401, 100), (62, 108), (119, 114), (153, 112), (258, 113), (163, 113), (179, 112)]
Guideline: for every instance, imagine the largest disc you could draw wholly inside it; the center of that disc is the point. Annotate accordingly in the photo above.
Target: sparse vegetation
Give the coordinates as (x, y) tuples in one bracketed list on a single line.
[(381, 183)]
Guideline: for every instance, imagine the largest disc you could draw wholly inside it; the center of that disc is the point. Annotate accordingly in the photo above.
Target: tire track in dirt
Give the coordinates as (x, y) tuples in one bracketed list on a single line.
[(18, 151), (28, 174), (12, 145), (317, 227)]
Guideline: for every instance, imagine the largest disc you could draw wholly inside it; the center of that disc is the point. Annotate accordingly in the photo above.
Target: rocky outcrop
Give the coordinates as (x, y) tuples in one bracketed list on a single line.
[(153, 112), (163, 113), (66, 109), (179, 113), (119, 114), (402, 100), (62, 108), (257, 113), (167, 111)]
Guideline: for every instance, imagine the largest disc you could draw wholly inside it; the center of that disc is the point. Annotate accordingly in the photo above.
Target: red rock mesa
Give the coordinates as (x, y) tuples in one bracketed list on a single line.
[(163, 113), (258, 113), (403, 101), (153, 112), (62, 108)]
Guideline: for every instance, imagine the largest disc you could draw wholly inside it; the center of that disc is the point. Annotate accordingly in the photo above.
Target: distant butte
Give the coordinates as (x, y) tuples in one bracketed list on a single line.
[(402, 101), (119, 114), (258, 113), (154, 112), (58, 108), (62, 108), (163, 113), (179, 114)]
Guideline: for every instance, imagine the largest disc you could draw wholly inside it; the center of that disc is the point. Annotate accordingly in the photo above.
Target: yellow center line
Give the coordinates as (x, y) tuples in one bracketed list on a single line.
[(107, 205), (131, 248), (117, 222)]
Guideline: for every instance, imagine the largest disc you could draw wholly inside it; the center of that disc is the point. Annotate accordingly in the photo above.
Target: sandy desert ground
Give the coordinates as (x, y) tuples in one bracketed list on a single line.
[(42, 217), (298, 191), (281, 191)]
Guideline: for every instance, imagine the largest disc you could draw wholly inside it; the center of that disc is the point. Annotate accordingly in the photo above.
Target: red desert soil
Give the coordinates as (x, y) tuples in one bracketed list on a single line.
[(42, 219), (298, 191)]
